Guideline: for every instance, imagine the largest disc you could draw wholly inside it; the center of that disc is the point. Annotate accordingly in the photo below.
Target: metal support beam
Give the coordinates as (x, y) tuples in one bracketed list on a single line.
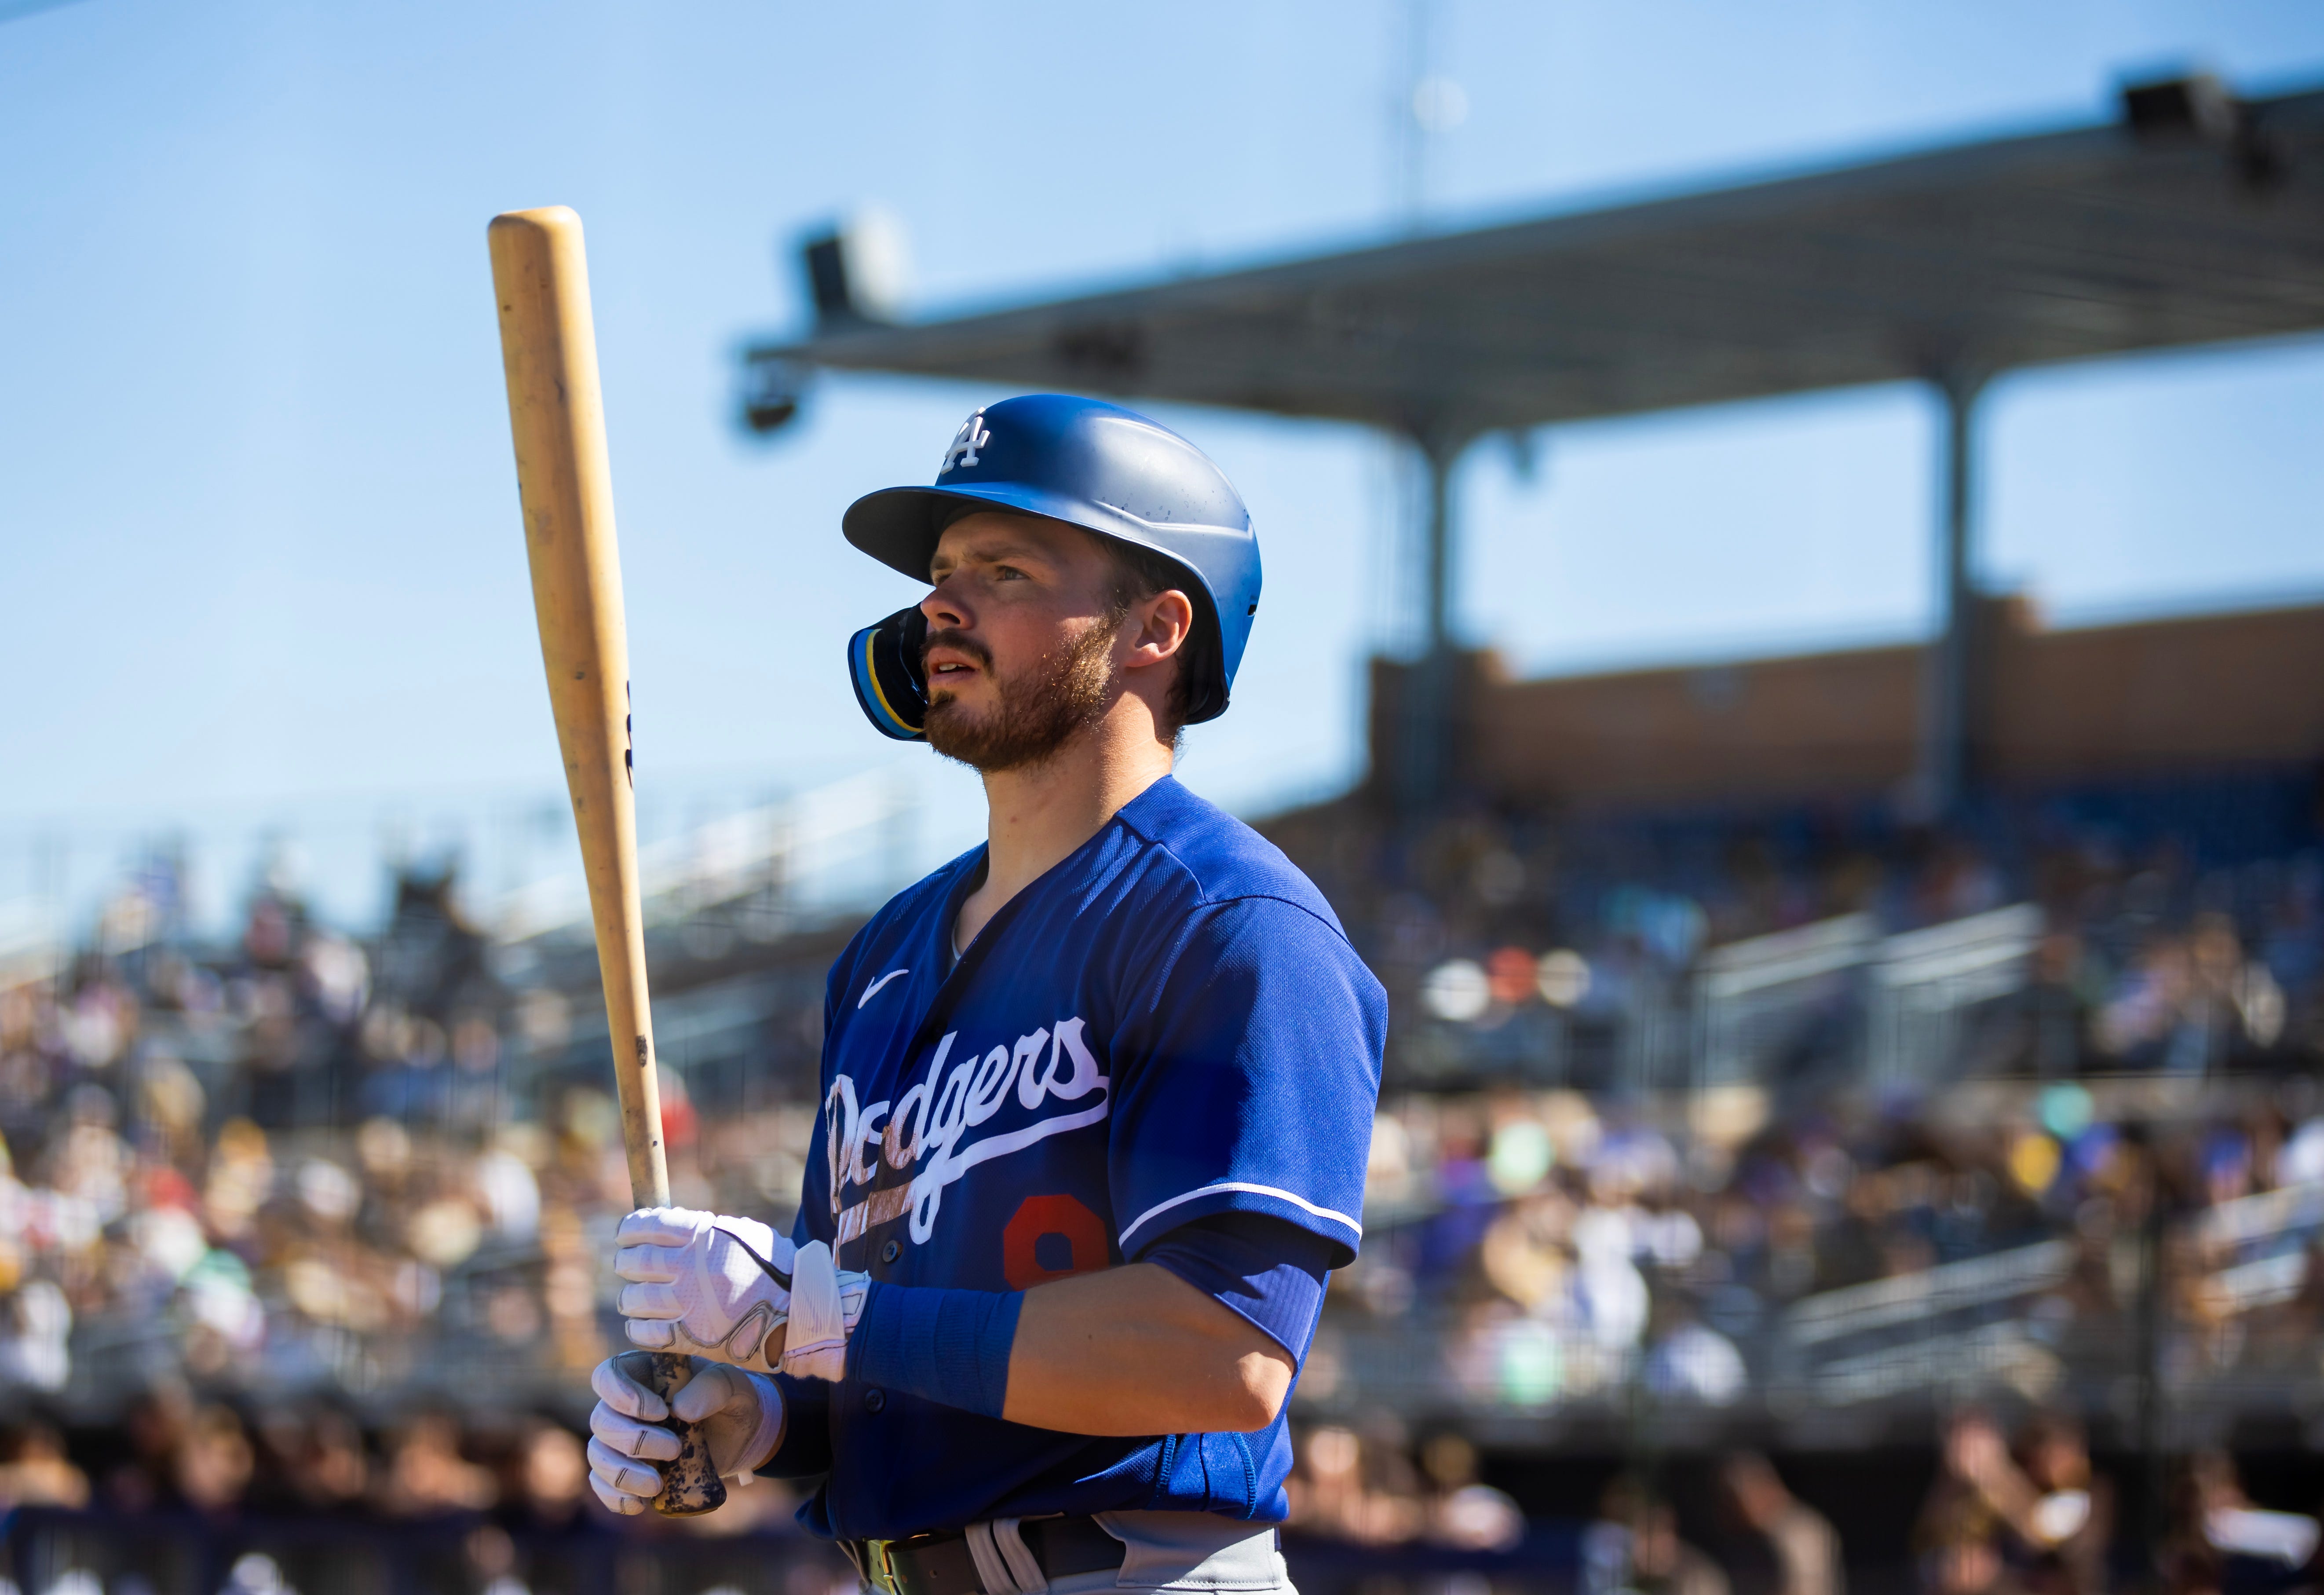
[(1432, 686), (1950, 713), (1437, 550)]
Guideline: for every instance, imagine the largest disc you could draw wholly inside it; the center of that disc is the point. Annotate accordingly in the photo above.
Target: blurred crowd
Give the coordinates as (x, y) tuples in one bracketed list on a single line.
[(315, 1161), (1536, 945), (177, 1453), (1559, 1247), (342, 1163), (1376, 1489), (307, 1224), (2002, 1513)]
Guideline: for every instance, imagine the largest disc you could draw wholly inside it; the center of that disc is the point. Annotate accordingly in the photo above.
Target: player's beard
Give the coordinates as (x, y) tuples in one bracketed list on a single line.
[(1040, 709)]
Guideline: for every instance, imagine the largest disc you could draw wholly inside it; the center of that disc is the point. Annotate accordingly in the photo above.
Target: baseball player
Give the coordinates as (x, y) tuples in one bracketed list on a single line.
[(1097, 1096)]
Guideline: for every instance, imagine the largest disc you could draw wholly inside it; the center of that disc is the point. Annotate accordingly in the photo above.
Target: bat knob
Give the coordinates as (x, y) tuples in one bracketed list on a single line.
[(690, 1485)]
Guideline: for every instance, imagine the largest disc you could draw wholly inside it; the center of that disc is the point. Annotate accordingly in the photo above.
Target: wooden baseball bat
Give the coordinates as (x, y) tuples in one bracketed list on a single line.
[(556, 412)]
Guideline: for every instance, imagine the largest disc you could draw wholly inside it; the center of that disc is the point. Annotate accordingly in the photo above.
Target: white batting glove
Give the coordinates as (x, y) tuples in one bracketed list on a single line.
[(738, 1415), (713, 1286), (701, 1283)]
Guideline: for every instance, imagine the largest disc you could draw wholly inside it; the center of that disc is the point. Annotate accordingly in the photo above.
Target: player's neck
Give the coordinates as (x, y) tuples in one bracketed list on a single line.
[(1037, 814)]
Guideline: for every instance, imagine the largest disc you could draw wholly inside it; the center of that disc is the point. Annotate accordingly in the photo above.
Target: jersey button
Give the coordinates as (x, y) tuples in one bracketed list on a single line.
[(875, 1399), (891, 1252)]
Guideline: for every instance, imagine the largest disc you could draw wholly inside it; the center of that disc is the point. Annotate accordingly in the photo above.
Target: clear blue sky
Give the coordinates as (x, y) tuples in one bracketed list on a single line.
[(262, 560)]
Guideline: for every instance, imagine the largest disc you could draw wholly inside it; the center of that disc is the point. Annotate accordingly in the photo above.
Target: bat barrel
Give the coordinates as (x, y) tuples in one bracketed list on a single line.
[(548, 348)]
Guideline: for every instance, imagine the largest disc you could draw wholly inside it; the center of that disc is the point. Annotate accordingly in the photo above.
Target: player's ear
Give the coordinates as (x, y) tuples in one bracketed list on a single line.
[(1157, 628)]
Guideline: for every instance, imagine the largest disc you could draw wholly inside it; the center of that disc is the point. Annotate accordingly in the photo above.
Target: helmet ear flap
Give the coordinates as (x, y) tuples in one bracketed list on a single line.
[(890, 682)]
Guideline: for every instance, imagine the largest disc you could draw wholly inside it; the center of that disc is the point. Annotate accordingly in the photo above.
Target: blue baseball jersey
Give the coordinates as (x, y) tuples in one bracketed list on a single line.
[(1168, 1025)]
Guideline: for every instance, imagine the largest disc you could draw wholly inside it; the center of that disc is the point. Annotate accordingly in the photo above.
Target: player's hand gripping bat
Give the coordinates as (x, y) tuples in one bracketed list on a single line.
[(558, 414)]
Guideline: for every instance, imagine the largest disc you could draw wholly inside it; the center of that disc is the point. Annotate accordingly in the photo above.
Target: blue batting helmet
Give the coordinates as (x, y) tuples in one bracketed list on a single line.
[(1096, 465)]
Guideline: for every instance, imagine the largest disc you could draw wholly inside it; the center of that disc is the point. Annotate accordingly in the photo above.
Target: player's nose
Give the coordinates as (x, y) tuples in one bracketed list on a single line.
[(946, 606)]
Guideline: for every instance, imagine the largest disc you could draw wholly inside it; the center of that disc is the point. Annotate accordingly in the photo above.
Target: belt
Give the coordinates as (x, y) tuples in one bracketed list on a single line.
[(957, 1563)]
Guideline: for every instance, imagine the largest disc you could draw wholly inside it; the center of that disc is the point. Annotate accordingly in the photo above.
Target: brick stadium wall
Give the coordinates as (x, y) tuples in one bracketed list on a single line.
[(2149, 697), (2216, 689)]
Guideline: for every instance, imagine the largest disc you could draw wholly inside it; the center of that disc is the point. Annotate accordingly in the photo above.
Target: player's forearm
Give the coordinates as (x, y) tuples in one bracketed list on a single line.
[(1137, 1351), (1129, 1350)]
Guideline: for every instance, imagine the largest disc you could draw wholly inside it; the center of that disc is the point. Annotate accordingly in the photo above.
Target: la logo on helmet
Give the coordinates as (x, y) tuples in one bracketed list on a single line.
[(965, 442)]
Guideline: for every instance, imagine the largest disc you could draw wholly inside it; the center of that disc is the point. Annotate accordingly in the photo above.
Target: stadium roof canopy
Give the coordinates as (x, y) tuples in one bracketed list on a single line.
[(2195, 219)]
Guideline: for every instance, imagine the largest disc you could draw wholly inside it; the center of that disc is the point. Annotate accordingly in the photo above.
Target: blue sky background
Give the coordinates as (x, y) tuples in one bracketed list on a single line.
[(262, 569)]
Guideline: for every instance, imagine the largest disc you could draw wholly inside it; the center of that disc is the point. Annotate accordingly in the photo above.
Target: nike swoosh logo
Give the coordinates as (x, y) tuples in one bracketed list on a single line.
[(872, 990)]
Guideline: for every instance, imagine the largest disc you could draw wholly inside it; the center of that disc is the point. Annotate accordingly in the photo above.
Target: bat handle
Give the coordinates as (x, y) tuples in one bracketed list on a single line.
[(690, 1485)]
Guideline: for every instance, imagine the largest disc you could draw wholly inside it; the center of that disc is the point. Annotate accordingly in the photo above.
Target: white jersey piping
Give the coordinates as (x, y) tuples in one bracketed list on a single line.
[(1296, 1201)]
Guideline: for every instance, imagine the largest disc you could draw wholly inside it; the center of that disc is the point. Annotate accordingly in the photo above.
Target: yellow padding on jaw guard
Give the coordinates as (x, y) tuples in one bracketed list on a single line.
[(882, 666)]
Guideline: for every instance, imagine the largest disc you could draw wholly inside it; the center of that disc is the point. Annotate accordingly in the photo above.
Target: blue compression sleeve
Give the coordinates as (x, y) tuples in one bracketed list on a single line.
[(1269, 1269), (948, 1346)]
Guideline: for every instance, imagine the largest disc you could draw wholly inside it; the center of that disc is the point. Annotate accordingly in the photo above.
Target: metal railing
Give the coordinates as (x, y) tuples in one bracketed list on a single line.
[(2017, 1324), (797, 849), (1836, 997)]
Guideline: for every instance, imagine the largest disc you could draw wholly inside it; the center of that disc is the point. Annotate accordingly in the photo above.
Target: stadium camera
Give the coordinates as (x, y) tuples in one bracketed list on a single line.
[(2201, 108), (856, 270), (2198, 106), (773, 390)]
